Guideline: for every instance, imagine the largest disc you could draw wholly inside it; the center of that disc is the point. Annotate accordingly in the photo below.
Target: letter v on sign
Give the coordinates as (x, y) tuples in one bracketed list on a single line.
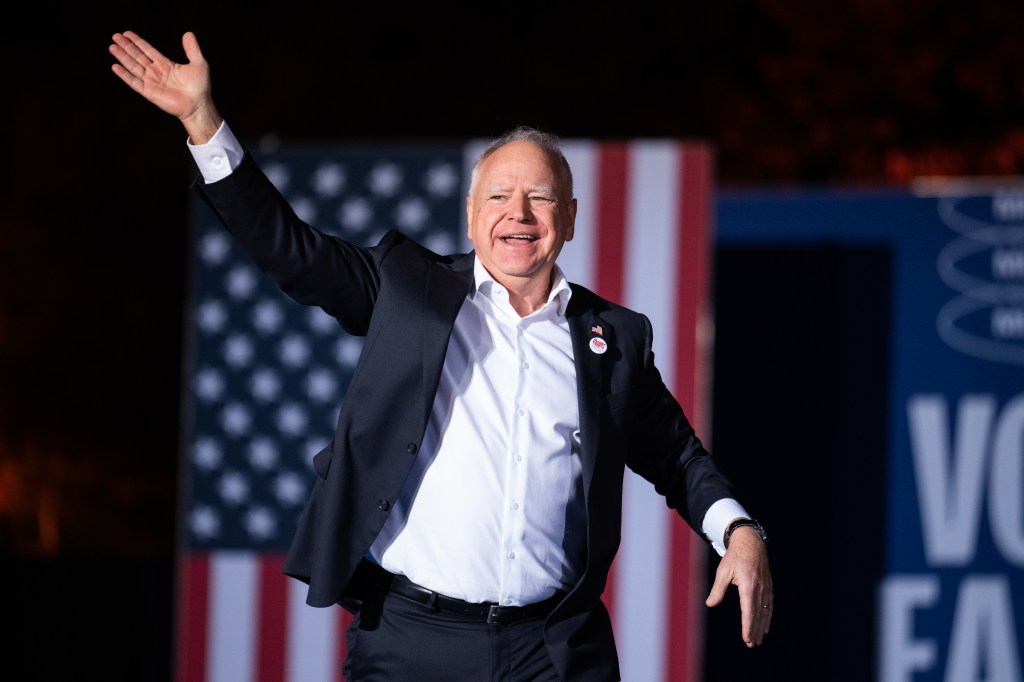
[(950, 485)]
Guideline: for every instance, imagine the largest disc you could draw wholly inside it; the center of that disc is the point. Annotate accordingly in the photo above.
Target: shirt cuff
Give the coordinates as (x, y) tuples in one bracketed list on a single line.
[(718, 518), (218, 157)]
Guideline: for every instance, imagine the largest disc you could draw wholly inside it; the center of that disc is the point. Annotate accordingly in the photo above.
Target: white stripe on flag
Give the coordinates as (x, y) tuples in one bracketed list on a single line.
[(641, 572), (234, 596), (313, 639), (578, 256), (644, 567), (652, 231)]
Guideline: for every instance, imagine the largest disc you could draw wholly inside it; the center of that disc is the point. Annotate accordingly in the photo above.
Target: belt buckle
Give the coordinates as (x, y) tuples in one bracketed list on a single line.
[(492, 614)]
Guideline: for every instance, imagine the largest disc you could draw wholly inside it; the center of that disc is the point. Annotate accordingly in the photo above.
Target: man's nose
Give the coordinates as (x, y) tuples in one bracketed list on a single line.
[(520, 209)]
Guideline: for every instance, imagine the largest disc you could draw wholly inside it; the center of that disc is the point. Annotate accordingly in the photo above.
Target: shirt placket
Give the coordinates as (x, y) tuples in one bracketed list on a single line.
[(517, 473)]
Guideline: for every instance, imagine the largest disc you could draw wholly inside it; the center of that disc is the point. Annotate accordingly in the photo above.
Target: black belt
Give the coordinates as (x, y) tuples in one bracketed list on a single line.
[(492, 614)]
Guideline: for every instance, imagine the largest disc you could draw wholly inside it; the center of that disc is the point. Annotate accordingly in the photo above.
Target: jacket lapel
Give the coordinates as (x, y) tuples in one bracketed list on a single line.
[(589, 380), (444, 291)]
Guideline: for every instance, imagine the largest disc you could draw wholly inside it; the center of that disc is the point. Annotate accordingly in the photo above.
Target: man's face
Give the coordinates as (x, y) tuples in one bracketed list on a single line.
[(519, 216)]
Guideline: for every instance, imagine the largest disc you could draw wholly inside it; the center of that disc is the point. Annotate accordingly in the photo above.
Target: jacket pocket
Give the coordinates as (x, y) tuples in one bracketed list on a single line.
[(322, 460), (616, 401)]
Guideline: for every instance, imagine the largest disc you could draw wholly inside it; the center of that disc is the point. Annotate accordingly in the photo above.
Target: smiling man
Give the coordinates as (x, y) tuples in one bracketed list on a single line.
[(520, 212), (469, 508)]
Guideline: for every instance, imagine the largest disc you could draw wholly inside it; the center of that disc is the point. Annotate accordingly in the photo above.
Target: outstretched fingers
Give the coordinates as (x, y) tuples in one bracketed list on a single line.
[(756, 614), (746, 566), (130, 66), (139, 49), (138, 58)]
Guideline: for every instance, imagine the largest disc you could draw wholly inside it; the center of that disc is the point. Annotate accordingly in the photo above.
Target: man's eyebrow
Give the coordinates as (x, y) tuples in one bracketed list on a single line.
[(547, 190), (542, 189)]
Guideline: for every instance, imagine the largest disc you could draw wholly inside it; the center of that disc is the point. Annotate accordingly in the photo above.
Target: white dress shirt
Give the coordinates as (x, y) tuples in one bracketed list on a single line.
[(493, 509), (498, 514)]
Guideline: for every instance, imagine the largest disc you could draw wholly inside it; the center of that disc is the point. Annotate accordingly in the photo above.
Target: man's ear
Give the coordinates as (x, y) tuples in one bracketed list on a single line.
[(469, 217), (572, 221)]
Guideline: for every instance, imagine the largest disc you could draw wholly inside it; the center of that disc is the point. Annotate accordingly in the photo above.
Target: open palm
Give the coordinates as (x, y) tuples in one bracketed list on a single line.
[(178, 89)]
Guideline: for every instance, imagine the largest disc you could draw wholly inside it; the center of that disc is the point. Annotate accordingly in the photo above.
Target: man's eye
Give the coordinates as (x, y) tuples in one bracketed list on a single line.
[(497, 197), (542, 200)]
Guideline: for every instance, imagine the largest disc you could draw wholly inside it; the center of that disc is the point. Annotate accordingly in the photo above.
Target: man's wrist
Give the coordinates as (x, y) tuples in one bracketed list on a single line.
[(202, 124), (741, 522)]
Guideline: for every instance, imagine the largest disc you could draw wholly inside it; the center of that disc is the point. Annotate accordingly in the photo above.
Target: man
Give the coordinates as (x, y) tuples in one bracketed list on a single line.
[(469, 508)]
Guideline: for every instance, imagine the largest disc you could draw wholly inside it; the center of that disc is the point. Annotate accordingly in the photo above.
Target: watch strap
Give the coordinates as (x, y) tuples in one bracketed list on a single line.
[(744, 521)]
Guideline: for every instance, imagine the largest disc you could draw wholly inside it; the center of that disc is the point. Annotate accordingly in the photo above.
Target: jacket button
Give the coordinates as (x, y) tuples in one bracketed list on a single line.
[(383, 504), (411, 447)]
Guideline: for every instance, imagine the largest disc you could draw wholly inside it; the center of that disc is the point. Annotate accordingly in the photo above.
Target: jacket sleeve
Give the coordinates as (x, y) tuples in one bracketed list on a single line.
[(665, 449), (310, 266)]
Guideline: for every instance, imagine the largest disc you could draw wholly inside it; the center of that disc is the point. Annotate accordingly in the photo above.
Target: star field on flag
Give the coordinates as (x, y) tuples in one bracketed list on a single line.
[(268, 374)]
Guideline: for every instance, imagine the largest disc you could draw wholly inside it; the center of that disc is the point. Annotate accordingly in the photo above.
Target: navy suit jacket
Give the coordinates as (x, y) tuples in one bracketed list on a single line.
[(404, 299)]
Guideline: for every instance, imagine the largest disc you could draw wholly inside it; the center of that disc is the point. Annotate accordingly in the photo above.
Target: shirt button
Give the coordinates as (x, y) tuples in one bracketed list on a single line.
[(511, 555), (521, 412), (519, 458), (515, 505), (508, 601), (526, 365), (383, 504)]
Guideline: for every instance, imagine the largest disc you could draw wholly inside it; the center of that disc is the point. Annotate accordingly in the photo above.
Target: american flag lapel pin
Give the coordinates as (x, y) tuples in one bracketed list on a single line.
[(597, 343)]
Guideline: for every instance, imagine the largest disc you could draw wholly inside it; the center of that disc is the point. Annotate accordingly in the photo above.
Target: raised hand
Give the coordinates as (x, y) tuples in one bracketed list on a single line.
[(182, 90)]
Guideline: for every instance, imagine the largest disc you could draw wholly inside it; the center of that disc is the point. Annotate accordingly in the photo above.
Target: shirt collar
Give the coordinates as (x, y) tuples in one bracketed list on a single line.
[(560, 288)]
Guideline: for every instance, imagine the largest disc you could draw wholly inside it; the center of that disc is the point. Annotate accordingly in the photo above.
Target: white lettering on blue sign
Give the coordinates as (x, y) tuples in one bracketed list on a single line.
[(962, 467), (900, 653), (950, 469), (982, 646)]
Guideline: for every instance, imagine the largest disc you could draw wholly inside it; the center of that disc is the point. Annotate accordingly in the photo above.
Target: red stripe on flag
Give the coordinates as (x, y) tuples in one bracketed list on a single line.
[(344, 620), (609, 266), (612, 176), (688, 551), (272, 626), (192, 605), (693, 284)]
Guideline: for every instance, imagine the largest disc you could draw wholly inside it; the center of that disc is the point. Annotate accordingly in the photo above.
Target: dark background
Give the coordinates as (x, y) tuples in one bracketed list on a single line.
[(93, 227)]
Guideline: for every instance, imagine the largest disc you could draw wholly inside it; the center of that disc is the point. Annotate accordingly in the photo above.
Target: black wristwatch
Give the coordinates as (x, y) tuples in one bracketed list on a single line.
[(742, 521)]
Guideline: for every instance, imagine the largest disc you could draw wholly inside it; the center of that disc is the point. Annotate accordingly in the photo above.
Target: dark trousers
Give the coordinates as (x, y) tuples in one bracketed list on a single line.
[(393, 639)]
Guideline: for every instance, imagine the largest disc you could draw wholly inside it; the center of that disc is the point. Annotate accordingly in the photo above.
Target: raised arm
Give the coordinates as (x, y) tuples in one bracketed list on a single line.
[(182, 90)]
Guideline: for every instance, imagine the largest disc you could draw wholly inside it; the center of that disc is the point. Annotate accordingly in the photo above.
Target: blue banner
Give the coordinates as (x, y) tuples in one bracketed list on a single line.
[(951, 598)]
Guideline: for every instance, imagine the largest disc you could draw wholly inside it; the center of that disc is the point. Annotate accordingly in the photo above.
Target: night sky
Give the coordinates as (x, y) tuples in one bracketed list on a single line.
[(94, 217)]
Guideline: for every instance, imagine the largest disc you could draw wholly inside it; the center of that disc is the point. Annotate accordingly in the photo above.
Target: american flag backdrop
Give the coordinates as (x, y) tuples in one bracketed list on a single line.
[(265, 378)]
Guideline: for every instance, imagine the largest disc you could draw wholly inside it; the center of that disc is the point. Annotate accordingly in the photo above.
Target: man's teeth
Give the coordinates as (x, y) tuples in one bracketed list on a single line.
[(526, 237)]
